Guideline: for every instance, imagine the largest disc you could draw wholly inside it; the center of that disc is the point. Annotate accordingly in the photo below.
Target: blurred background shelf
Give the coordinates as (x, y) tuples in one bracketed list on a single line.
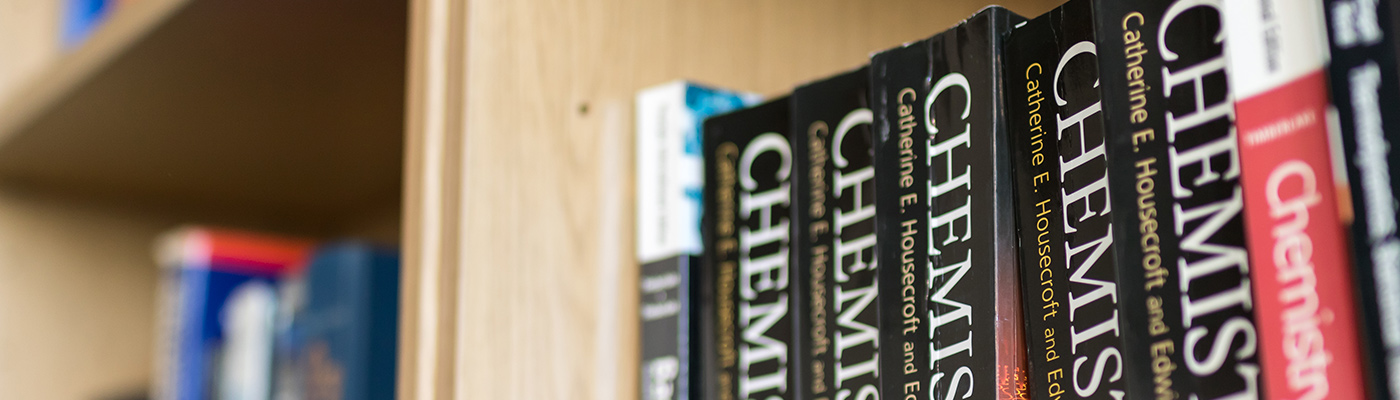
[(287, 113), (285, 116)]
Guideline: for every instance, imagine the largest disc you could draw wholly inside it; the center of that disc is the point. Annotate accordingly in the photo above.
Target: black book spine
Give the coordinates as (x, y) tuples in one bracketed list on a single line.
[(976, 342), (897, 91), (834, 239), (666, 326), (748, 191), (1365, 86), (1174, 172), (1066, 234), (957, 321)]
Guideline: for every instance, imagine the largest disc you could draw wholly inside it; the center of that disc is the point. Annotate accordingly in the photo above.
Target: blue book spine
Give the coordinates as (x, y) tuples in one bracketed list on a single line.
[(219, 333), (351, 322)]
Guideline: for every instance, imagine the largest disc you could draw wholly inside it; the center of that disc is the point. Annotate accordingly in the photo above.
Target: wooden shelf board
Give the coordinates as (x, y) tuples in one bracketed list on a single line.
[(225, 108), (70, 70)]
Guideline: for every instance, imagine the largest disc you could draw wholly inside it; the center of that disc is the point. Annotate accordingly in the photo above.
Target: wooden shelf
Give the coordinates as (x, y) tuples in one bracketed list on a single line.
[(272, 112), (267, 114)]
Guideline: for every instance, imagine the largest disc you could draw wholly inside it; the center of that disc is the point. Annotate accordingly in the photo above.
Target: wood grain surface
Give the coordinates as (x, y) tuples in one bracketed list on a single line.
[(431, 199), (544, 239)]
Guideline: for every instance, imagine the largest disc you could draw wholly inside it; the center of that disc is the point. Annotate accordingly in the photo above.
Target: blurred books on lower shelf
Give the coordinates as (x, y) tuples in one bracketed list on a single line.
[(254, 316), (349, 323)]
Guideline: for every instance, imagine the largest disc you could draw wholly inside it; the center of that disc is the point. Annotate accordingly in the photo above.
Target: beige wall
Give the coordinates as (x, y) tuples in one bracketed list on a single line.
[(77, 298), (30, 32)]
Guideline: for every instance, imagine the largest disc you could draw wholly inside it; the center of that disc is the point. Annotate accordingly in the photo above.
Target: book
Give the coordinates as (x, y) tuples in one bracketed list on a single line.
[(749, 332), (668, 329), (901, 146), (1174, 169), (350, 322), (670, 168), (1365, 90), (288, 368), (1304, 303), (215, 335), (670, 179), (81, 18), (1069, 275), (952, 324), (833, 238)]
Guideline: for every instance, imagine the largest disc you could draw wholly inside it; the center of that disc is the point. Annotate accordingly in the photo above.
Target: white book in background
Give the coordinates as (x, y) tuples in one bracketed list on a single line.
[(670, 171), (670, 182), (245, 371)]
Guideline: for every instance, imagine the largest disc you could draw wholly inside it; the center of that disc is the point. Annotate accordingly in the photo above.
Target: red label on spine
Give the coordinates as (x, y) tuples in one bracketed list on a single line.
[(1301, 271)]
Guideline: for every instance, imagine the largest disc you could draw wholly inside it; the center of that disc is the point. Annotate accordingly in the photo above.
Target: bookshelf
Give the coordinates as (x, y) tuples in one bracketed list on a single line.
[(256, 114), (500, 154), (521, 276)]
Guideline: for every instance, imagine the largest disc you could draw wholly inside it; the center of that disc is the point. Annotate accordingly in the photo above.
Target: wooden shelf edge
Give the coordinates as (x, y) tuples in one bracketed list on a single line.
[(65, 73)]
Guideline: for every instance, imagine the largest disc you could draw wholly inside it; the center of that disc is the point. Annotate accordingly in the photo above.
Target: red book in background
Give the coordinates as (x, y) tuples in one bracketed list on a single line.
[(236, 251), (1301, 272)]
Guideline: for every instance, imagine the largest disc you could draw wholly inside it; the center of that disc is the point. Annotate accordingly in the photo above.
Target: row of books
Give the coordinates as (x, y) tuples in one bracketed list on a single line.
[(1118, 199), (248, 316)]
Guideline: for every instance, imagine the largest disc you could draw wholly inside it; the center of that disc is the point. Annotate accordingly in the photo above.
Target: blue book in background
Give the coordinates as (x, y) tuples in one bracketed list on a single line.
[(81, 18), (350, 322), (216, 335)]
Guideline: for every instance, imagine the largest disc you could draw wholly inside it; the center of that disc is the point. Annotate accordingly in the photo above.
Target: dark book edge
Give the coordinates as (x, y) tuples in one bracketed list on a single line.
[(744, 150), (836, 307), (1364, 80)]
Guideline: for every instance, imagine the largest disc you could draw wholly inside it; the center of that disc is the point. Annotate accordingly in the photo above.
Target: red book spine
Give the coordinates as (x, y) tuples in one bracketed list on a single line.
[(235, 251), (1301, 274), (1302, 277)]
